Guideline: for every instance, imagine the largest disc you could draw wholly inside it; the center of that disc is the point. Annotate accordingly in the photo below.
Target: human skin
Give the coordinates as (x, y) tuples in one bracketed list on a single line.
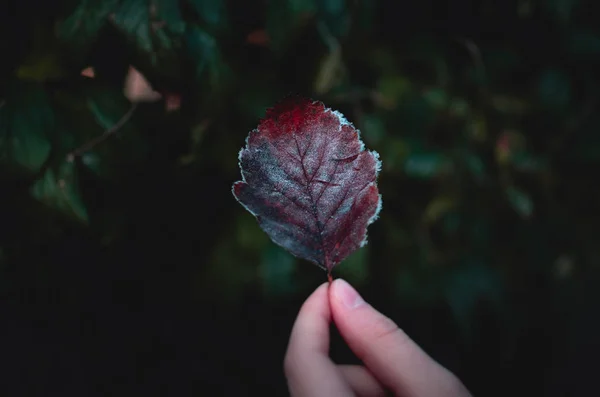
[(393, 363)]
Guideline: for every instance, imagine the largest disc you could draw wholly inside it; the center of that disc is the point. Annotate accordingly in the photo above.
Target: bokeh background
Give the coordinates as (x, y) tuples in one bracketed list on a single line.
[(127, 267)]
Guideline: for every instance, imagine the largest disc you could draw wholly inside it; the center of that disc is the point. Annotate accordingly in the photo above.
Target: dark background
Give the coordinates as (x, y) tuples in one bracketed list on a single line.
[(132, 269)]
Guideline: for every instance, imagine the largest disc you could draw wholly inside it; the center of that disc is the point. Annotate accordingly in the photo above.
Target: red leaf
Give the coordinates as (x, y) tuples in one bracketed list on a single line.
[(309, 181)]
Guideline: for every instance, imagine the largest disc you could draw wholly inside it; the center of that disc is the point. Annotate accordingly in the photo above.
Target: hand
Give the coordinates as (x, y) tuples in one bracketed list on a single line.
[(392, 361)]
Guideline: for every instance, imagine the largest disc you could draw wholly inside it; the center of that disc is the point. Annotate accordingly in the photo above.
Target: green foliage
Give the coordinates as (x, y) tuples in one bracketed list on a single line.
[(58, 189), (26, 128)]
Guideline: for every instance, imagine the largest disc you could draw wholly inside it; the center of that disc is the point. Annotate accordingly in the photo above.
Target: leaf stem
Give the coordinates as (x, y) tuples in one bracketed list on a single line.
[(329, 278), (112, 130)]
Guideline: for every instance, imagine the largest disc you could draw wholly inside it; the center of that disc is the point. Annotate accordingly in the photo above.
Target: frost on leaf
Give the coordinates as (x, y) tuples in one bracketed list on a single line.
[(309, 181)]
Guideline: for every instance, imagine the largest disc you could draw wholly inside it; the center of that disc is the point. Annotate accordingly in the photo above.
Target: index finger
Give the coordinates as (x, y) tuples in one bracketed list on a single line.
[(307, 366)]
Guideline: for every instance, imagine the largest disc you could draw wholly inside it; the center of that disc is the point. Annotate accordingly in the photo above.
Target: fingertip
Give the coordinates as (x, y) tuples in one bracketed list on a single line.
[(343, 296)]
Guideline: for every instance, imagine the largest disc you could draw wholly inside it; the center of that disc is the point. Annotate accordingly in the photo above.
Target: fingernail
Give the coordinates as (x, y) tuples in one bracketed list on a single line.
[(348, 295)]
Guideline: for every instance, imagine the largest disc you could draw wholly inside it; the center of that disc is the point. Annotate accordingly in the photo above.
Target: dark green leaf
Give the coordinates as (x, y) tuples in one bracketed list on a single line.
[(283, 17), (83, 25), (356, 267), (585, 43), (276, 271), (560, 10), (133, 18), (554, 89), (58, 189), (110, 110), (168, 11), (212, 13), (426, 165), (468, 286), (26, 122), (520, 201), (202, 49), (334, 14), (373, 129)]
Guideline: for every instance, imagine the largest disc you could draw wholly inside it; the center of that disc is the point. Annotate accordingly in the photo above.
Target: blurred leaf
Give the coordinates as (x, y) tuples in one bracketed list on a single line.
[(554, 89), (212, 13), (585, 43), (365, 14), (58, 188), (520, 201), (334, 14), (41, 68), (284, 16), (466, 288), (103, 108), (415, 287), (196, 136), (249, 235), (149, 27), (509, 105), (560, 10), (82, 26), (26, 122), (418, 114), (394, 154), (132, 17), (458, 107), (202, 49), (477, 128), (426, 165), (44, 61), (169, 12), (437, 97), (373, 129), (235, 260), (526, 162), (438, 207), (476, 166), (228, 270), (276, 271), (356, 267), (107, 107), (330, 71), (393, 88)]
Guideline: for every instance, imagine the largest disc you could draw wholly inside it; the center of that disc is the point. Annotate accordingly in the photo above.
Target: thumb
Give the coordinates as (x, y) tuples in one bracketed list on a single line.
[(393, 358)]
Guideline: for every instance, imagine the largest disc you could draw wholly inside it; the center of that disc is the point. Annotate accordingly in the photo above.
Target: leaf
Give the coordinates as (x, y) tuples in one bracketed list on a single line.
[(554, 89), (520, 201), (276, 271), (82, 26), (26, 120), (356, 267), (426, 165), (284, 17), (309, 181), (133, 19), (154, 27), (168, 11), (333, 13), (467, 287), (203, 51), (58, 189), (212, 12), (330, 72), (41, 68)]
